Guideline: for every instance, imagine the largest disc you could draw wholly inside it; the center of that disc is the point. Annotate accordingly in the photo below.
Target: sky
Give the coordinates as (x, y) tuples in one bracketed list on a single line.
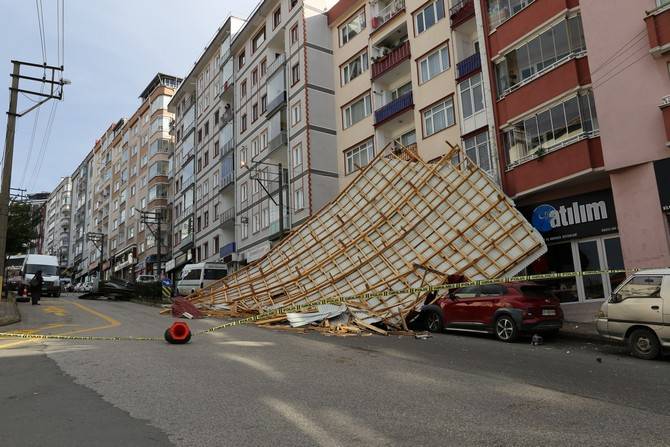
[(112, 50)]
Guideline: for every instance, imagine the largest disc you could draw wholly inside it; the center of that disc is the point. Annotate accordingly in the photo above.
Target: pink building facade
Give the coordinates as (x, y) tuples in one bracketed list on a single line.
[(630, 75)]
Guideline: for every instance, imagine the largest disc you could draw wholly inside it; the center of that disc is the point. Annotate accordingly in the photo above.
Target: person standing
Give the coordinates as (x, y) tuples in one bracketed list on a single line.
[(36, 288)]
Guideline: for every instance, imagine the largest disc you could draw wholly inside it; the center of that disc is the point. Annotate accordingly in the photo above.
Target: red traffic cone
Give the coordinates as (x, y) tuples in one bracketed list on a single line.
[(178, 334)]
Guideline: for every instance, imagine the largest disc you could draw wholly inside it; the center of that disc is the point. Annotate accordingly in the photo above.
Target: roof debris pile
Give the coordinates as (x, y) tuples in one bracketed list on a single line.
[(401, 223)]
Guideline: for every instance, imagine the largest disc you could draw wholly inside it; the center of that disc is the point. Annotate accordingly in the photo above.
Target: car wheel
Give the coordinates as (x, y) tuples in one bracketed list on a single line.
[(505, 329), (644, 344), (432, 320)]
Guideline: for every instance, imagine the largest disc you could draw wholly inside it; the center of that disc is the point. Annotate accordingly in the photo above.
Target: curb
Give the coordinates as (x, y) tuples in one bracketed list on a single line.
[(10, 312)]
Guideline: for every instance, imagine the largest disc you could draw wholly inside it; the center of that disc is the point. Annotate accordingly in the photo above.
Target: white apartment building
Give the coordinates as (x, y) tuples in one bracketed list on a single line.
[(202, 184), (57, 221), (284, 116), (80, 217)]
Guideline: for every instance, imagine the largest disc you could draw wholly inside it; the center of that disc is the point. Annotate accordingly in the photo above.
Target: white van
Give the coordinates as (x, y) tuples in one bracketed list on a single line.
[(197, 276), (50, 273)]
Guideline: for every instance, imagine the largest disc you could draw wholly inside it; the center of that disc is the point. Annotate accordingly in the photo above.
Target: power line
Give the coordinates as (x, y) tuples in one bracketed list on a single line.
[(45, 142), (30, 148), (633, 41), (602, 81), (40, 24)]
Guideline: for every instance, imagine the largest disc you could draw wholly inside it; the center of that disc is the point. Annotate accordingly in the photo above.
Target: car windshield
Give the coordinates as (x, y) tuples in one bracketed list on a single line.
[(47, 270), (192, 274)]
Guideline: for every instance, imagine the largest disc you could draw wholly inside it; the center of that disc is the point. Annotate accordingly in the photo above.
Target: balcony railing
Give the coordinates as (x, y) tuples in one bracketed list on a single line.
[(226, 118), (394, 108), (275, 104), (228, 146), (386, 13), (186, 243), (274, 66), (461, 12), (391, 60), (278, 141), (227, 180), (188, 155), (227, 249), (469, 65), (227, 217)]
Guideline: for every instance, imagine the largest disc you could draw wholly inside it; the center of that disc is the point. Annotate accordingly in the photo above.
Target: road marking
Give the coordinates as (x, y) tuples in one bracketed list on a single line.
[(56, 310), (111, 322)]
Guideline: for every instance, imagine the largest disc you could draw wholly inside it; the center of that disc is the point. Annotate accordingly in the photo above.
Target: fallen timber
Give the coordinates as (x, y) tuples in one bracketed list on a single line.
[(401, 223)]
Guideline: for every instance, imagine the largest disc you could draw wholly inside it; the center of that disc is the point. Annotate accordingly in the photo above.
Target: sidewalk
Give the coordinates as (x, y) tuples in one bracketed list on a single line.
[(9, 312)]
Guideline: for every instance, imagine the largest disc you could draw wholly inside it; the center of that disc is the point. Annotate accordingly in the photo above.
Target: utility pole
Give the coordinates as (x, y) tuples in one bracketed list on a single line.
[(52, 93), (98, 240), (281, 201), (154, 218)]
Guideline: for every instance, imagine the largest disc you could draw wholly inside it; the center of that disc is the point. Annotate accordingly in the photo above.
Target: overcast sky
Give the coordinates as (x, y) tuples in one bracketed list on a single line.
[(113, 48)]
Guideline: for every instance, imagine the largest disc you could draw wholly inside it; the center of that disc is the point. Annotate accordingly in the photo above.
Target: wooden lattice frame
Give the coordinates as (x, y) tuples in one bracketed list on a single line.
[(401, 223)]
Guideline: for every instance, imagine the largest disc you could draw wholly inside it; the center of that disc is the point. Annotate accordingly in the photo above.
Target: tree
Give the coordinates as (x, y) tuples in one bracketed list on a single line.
[(22, 228)]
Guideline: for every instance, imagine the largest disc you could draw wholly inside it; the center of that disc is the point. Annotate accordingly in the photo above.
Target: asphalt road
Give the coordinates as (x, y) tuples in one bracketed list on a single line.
[(248, 386)]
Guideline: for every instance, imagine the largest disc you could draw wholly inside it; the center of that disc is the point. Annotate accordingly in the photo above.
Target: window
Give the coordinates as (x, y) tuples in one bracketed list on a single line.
[(642, 287), (216, 250), (205, 160), (264, 66), (254, 148), (264, 103), (295, 114), (472, 96), (501, 10), (556, 45), (276, 18), (207, 128), (243, 125), (294, 34), (434, 64), (295, 74), (243, 89), (356, 111), (438, 117), (199, 224), (296, 155), (206, 219), (241, 59), (265, 218), (354, 67), (429, 16), (243, 155), (254, 112), (353, 27), (258, 40), (243, 192), (299, 199), (254, 76), (477, 149), (216, 148), (358, 156), (255, 184), (293, 3), (256, 223), (199, 135), (558, 125), (199, 164), (264, 140)]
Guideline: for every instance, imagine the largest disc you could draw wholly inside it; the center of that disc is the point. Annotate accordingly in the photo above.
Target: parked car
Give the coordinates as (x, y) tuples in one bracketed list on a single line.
[(146, 278), (638, 313), (197, 276), (507, 310)]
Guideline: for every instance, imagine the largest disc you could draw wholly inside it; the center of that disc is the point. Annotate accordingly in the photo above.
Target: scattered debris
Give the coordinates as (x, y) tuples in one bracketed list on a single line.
[(184, 308)]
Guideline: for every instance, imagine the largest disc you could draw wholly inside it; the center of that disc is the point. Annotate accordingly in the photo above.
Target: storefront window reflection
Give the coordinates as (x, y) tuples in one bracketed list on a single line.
[(614, 260), (558, 259), (589, 260)]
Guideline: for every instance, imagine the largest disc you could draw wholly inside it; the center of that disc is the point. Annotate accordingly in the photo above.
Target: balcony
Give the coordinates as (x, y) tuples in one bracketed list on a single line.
[(277, 142), (188, 155), (461, 12), (665, 109), (186, 243), (227, 250), (391, 60), (276, 64), (469, 66), (227, 180), (393, 108), (226, 118), (276, 102), (227, 218), (658, 29), (386, 12)]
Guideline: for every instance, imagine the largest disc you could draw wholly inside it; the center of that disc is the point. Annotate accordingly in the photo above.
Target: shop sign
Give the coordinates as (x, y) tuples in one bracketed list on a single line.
[(579, 216), (662, 168)]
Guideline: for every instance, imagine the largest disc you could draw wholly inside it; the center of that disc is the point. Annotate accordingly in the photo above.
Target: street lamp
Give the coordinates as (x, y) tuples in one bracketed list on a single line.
[(280, 181)]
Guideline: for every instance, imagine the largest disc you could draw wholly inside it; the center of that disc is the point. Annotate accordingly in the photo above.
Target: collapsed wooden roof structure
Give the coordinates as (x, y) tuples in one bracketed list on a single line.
[(401, 223)]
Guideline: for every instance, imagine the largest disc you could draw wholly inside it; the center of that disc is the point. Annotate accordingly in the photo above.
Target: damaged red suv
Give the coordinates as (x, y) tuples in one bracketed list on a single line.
[(507, 310)]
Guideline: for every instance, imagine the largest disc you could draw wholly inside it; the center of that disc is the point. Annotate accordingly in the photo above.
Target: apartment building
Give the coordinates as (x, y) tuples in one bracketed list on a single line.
[(629, 72), (203, 183), (57, 222), (140, 181), (80, 218), (409, 75), (284, 121), (551, 153)]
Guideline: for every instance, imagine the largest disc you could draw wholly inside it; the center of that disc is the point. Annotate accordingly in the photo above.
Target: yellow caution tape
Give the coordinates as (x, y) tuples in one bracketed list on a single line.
[(337, 300)]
